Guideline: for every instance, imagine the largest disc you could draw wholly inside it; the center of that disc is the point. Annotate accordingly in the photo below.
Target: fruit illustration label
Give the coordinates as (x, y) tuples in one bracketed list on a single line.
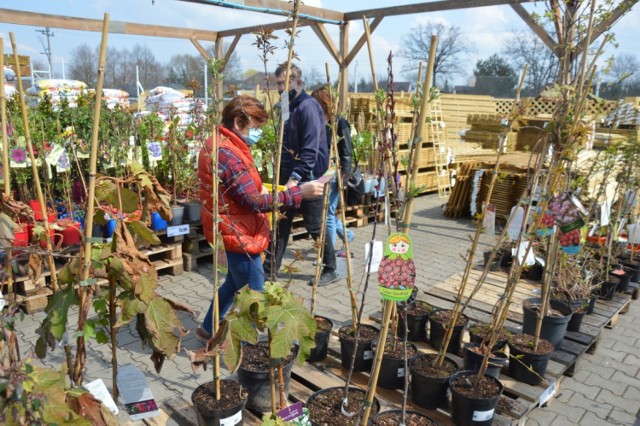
[(397, 272)]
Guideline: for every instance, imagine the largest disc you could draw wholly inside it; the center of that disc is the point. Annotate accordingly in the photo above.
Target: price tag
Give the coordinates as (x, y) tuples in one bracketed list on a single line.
[(400, 372), (548, 394), (233, 420), (172, 231), (482, 416), (367, 355)]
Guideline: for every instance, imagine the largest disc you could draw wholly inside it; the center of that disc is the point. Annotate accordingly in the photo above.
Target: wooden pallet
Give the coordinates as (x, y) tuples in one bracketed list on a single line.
[(167, 256), (565, 359), (458, 204)]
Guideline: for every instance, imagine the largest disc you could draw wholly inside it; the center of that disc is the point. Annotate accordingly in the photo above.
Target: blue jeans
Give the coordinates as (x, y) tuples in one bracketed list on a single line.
[(243, 269), (334, 225)]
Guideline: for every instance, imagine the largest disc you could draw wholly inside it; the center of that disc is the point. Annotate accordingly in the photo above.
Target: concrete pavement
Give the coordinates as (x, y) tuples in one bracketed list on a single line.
[(605, 389)]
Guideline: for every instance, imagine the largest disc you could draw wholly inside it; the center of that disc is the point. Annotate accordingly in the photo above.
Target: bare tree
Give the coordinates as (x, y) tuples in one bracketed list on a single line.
[(83, 65), (313, 78), (527, 48), (452, 43), (625, 67), (150, 71)]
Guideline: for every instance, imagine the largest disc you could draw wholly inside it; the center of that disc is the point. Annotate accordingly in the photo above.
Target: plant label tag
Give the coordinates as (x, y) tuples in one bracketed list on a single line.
[(548, 393), (233, 420), (605, 212), (291, 412), (483, 416), (173, 231), (367, 355), (400, 372), (284, 105), (376, 257), (99, 391)]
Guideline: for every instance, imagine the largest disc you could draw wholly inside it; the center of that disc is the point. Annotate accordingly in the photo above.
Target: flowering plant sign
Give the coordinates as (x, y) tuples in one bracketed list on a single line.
[(155, 150), (18, 157), (397, 271)]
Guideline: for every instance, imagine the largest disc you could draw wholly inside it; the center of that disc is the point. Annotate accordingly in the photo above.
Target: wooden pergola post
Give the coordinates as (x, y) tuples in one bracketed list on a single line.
[(343, 78)]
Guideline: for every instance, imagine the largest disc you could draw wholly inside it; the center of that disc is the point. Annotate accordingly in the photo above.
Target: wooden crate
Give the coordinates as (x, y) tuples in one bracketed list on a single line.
[(166, 256)]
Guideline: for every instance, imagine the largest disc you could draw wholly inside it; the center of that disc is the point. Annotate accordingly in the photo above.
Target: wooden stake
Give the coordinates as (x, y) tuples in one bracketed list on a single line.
[(34, 167), (86, 292)]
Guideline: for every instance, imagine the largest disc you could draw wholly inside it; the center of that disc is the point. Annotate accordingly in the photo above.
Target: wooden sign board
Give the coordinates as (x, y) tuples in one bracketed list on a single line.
[(24, 62)]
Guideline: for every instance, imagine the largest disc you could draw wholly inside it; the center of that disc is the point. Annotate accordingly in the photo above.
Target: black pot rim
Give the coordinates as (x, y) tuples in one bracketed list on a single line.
[(470, 373), (527, 303), (423, 355), (394, 411), (353, 338), (240, 404), (435, 310), (494, 355), (376, 401)]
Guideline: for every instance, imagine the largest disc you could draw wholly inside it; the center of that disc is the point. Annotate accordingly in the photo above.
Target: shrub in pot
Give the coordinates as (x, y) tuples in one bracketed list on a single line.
[(327, 406), (366, 335), (474, 354), (417, 318), (219, 411), (323, 334), (528, 362), (392, 371), (473, 399), (480, 332), (439, 319), (554, 321), (429, 383)]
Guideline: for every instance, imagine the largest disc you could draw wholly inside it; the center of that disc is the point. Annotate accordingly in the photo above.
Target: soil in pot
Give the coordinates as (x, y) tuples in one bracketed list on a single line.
[(526, 364), (429, 384), (438, 320), (323, 333), (253, 374), (364, 355), (479, 331), (325, 406), (392, 371), (417, 317), (473, 405), (554, 323), (474, 355), (394, 418), (223, 411)]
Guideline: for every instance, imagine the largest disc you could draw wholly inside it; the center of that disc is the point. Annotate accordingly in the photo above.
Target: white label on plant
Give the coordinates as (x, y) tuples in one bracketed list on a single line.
[(233, 420), (482, 416), (376, 258), (367, 355), (172, 231), (548, 394), (400, 372)]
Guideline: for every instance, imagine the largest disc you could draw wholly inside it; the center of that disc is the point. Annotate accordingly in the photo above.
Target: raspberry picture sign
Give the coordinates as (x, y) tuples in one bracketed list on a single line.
[(397, 271)]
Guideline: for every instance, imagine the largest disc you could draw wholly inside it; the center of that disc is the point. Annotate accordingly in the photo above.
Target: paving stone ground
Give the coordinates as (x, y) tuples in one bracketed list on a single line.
[(605, 390)]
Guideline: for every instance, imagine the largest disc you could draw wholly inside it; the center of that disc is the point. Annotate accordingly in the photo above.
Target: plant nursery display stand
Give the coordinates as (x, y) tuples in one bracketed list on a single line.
[(575, 344)]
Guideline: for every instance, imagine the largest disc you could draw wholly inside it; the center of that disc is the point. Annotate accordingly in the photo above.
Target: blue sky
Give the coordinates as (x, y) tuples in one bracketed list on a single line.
[(487, 27)]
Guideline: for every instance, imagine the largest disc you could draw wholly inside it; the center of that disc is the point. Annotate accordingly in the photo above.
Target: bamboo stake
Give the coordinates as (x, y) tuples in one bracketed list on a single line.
[(276, 171), (86, 292), (406, 222), (5, 139), (6, 169), (34, 167)]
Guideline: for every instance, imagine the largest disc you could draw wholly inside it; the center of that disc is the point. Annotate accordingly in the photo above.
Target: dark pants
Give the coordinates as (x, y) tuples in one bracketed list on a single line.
[(312, 218)]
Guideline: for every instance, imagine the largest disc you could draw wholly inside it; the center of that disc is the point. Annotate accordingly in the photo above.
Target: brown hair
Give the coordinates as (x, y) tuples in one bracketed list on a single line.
[(244, 108), (295, 72), (324, 99)]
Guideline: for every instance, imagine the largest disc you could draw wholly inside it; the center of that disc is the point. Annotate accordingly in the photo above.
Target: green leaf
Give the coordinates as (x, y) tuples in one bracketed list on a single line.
[(130, 306), (130, 200), (145, 235), (163, 326), (57, 312), (240, 329), (102, 336), (289, 322)]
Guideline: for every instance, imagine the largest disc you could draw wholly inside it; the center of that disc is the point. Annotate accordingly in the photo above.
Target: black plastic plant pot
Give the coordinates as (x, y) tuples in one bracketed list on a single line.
[(608, 288), (467, 409), (192, 210), (364, 353), (495, 264), (417, 325), (579, 308), (395, 417), (623, 282), (258, 385), (438, 331), (527, 367), (473, 360), (553, 327), (534, 272), (392, 371), (208, 416), (477, 339), (322, 342), (592, 303), (633, 267), (328, 402), (178, 215), (507, 258), (429, 392)]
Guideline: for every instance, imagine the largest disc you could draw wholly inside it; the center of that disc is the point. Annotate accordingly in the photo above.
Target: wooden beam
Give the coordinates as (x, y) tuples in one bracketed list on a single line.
[(275, 7), (257, 28), (231, 48), (535, 27), (219, 89), (199, 48), (433, 6), (361, 41), (606, 24), (344, 68), (33, 19), (326, 40)]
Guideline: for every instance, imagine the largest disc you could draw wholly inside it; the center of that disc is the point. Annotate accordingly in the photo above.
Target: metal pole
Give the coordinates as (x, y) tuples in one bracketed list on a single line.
[(206, 86), (64, 77)]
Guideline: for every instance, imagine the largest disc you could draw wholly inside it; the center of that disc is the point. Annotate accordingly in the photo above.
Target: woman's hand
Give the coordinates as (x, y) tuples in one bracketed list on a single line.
[(312, 189)]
